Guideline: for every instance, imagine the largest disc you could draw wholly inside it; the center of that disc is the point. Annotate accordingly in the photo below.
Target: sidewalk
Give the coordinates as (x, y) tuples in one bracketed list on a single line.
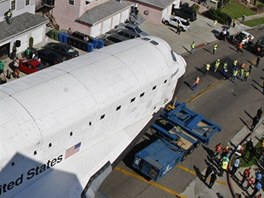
[(226, 186)]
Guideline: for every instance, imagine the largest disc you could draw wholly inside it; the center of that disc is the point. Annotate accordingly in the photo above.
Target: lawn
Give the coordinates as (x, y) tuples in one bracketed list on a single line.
[(254, 22), (237, 10)]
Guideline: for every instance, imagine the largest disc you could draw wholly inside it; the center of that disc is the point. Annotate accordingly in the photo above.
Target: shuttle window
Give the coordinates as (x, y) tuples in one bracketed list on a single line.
[(165, 81), (173, 56), (133, 99), (35, 152), (13, 164), (71, 133), (117, 108), (153, 88), (90, 123), (102, 116), (50, 145), (141, 95), (146, 39)]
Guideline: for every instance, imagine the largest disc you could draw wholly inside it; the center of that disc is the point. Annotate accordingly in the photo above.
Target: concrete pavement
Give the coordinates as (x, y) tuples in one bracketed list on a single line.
[(223, 188)]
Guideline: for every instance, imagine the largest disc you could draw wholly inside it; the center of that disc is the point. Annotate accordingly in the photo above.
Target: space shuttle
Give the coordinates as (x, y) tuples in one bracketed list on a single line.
[(62, 128)]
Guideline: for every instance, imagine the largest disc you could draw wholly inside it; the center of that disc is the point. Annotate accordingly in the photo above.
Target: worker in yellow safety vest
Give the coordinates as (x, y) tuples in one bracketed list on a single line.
[(217, 63), (224, 164), (207, 68)]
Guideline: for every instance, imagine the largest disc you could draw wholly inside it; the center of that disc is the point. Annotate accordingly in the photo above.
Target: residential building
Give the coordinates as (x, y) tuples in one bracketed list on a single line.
[(24, 24), (92, 17)]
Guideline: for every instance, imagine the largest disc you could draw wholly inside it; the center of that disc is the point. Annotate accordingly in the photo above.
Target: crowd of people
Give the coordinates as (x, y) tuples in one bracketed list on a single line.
[(251, 178)]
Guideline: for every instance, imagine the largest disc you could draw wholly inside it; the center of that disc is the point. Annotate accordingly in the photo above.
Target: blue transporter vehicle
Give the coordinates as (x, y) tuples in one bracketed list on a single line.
[(176, 135), (196, 124), (158, 158)]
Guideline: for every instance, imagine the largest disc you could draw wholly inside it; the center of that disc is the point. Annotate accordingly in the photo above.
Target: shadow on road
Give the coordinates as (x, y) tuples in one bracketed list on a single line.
[(257, 88), (244, 122), (248, 114)]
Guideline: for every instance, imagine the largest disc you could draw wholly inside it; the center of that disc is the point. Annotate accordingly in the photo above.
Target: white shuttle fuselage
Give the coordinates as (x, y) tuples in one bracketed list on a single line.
[(61, 125)]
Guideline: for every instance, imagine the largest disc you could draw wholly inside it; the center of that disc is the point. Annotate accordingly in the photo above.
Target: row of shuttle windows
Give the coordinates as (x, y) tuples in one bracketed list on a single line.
[(103, 116)]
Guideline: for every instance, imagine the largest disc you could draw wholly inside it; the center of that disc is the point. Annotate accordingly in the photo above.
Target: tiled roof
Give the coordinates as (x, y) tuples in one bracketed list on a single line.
[(104, 11), (20, 24), (157, 3)]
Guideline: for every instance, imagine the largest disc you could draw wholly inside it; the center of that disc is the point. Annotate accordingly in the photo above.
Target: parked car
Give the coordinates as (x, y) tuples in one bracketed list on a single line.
[(66, 50), (244, 37), (119, 36), (29, 66), (48, 57), (136, 29), (185, 12), (259, 47), (175, 21)]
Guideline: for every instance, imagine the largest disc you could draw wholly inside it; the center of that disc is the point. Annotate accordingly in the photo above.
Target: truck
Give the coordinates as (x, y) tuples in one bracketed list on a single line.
[(176, 135), (158, 158), (194, 123), (178, 131)]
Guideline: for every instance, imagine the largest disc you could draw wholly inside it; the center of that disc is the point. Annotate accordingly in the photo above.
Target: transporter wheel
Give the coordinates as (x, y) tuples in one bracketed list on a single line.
[(191, 150), (197, 144), (183, 157)]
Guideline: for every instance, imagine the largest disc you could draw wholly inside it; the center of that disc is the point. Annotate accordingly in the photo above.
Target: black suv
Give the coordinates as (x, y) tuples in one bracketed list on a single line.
[(65, 50), (48, 57), (185, 12)]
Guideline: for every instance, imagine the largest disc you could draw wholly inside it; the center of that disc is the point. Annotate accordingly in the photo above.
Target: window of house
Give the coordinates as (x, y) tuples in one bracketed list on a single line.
[(87, 2), (27, 2), (71, 2), (13, 4)]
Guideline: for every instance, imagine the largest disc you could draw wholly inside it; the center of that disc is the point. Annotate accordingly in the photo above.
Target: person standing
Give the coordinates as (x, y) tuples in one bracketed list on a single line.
[(196, 82), (235, 166), (2, 66), (225, 69), (212, 180), (246, 75), (192, 46), (246, 175), (215, 48), (178, 29), (234, 23), (217, 63), (208, 171), (250, 181), (207, 68), (257, 61), (218, 151), (242, 73), (259, 113), (234, 75), (215, 22), (239, 47), (254, 122), (257, 188), (224, 164)]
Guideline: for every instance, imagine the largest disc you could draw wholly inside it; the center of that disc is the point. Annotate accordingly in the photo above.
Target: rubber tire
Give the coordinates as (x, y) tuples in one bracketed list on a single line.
[(197, 144), (183, 157), (190, 150)]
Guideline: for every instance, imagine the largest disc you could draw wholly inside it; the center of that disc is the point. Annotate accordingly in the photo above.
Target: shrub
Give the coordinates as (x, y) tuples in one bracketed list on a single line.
[(195, 7), (31, 42), (213, 14)]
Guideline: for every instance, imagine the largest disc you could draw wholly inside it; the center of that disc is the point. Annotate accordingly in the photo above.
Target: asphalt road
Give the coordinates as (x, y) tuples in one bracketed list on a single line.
[(227, 103)]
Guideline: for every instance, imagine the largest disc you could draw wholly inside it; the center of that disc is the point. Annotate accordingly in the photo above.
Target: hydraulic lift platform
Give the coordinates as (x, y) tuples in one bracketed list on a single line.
[(196, 124)]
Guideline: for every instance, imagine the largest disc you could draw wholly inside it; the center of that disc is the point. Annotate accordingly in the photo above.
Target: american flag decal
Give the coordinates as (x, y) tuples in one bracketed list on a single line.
[(71, 151)]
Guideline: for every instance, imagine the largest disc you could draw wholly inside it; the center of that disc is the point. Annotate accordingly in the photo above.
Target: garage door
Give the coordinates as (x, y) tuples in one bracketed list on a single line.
[(37, 35), (106, 25), (116, 20), (24, 42), (125, 15), (95, 30)]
